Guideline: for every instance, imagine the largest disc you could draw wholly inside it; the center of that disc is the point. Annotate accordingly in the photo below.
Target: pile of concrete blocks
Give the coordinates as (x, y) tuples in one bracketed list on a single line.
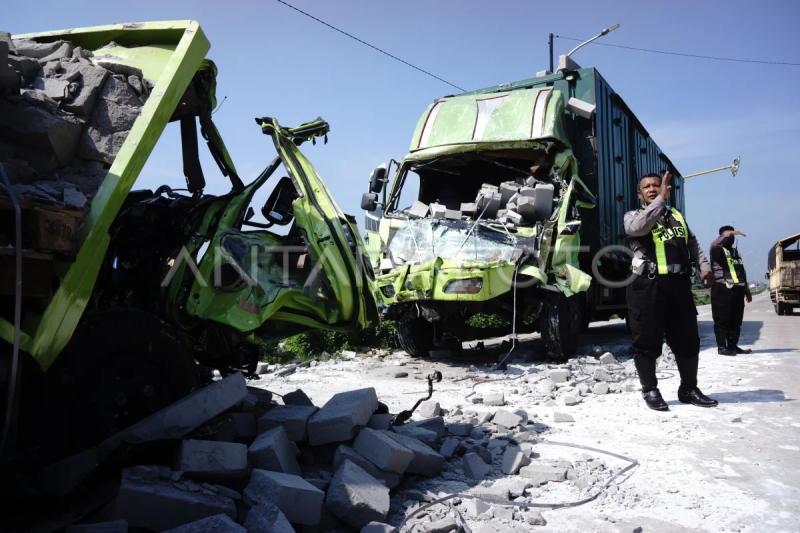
[(246, 461), (64, 115)]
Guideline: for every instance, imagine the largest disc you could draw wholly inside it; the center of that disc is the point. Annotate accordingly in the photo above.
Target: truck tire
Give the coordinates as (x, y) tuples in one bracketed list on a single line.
[(560, 325), (121, 366), (415, 336), (780, 309)]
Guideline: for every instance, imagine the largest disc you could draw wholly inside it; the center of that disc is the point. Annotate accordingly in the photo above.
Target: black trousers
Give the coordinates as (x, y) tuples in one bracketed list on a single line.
[(727, 308), (663, 307)]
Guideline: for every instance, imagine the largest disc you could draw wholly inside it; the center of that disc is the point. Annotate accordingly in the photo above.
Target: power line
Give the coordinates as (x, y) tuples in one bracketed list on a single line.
[(373, 47), (683, 55)]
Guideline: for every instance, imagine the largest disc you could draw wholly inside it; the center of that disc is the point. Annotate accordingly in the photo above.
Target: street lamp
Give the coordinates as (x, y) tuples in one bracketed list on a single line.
[(604, 32), (745, 255), (734, 167)]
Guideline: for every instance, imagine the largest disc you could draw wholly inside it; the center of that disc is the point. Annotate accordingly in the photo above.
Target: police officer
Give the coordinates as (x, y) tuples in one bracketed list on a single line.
[(729, 291), (660, 300)]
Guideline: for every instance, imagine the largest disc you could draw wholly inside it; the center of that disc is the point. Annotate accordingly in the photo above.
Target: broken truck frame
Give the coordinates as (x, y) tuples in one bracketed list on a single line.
[(110, 313)]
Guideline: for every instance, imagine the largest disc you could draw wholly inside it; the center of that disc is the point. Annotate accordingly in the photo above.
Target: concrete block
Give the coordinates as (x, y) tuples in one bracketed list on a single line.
[(34, 127), (297, 397), (507, 190), (535, 518), (118, 90), (493, 493), (99, 145), (64, 51), (449, 447), (503, 513), (416, 432), (600, 388), (418, 210), (56, 89), (452, 214), (460, 429), (90, 79), (380, 422), (482, 452), (160, 505), (211, 458), (117, 526), (435, 424), (494, 399), (213, 524), (36, 50), (474, 467), (298, 500), (5, 37), (429, 409), (257, 402), (539, 474), (136, 84), (244, 424), (182, 417), (426, 460), (119, 68), (572, 399), (490, 201), (383, 451), (346, 453), (543, 200), (377, 527), (342, 416), (293, 418), (438, 211), (514, 459), (356, 497), (26, 66), (601, 375), (562, 417), (74, 199), (608, 358), (507, 419), (475, 507), (272, 451), (513, 217), (469, 210), (266, 518), (559, 375)]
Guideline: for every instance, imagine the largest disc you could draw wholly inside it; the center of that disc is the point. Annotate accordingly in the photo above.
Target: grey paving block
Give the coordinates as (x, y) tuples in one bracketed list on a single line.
[(211, 458), (356, 497), (435, 424), (426, 461), (297, 397), (293, 418), (474, 467), (35, 127), (514, 459), (342, 416), (383, 451), (298, 500), (416, 432), (380, 422), (266, 518), (460, 429), (539, 474), (272, 450), (90, 80), (390, 479), (213, 524)]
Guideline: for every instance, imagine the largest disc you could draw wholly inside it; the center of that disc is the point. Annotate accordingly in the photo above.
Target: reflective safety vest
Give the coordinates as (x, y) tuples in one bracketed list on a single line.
[(735, 271), (670, 243)]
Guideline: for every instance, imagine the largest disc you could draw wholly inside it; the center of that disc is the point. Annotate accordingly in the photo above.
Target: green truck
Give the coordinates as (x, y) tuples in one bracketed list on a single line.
[(123, 294), (520, 185), (783, 261)]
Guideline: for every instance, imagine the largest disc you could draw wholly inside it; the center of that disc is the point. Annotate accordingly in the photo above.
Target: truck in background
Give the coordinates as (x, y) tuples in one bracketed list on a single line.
[(123, 292), (784, 275), (521, 184)]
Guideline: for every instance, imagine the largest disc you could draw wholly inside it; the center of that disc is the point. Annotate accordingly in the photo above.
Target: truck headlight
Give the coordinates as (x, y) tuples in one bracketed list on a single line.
[(464, 286)]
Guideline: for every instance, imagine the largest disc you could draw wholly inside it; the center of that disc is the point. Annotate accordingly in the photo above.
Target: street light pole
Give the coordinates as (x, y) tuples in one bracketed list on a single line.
[(734, 169), (551, 52), (604, 32)]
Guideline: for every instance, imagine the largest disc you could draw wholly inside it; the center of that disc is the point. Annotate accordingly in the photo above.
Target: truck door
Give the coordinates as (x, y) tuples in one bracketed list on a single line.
[(316, 274)]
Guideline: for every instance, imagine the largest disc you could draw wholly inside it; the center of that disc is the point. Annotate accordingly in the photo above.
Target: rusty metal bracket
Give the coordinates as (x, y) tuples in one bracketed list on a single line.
[(403, 417)]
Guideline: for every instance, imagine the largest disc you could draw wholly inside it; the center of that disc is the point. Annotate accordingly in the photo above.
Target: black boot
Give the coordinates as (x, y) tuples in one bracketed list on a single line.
[(695, 397), (646, 368), (722, 337), (736, 350), (654, 400), (726, 351)]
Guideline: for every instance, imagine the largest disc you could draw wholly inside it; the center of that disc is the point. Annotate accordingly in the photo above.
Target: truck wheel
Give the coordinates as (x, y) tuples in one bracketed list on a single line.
[(415, 336), (560, 326), (780, 308), (121, 366)]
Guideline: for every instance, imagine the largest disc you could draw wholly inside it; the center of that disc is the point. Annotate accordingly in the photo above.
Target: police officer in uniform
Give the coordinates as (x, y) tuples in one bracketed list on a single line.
[(729, 291), (660, 300)]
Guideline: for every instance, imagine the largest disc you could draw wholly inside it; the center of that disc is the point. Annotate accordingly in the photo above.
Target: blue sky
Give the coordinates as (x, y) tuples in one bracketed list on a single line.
[(274, 61)]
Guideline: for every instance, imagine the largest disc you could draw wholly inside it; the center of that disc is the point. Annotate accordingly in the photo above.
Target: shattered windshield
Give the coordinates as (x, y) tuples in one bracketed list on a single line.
[(421, 241)]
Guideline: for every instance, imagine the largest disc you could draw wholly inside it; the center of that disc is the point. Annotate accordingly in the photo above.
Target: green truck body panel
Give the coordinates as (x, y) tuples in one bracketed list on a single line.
[(171, 55)]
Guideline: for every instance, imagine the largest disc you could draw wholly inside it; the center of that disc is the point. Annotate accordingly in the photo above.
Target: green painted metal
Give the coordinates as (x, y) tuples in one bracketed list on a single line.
[(172, 54)]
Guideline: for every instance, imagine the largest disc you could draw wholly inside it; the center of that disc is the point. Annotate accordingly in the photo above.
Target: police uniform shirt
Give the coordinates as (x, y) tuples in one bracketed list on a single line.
[(640, 224), (719, 260)]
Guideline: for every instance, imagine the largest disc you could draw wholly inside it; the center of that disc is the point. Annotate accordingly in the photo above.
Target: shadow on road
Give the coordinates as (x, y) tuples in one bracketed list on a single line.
[(776, 350), (752, 396)]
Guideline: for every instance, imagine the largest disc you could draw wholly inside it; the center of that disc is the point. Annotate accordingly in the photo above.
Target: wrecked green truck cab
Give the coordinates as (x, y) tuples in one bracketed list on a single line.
[(145, 284), (450, 255)]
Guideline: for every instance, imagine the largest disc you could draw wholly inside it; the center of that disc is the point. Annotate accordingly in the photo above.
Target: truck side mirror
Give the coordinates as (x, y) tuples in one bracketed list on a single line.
[(369, 202), (377, 179)]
